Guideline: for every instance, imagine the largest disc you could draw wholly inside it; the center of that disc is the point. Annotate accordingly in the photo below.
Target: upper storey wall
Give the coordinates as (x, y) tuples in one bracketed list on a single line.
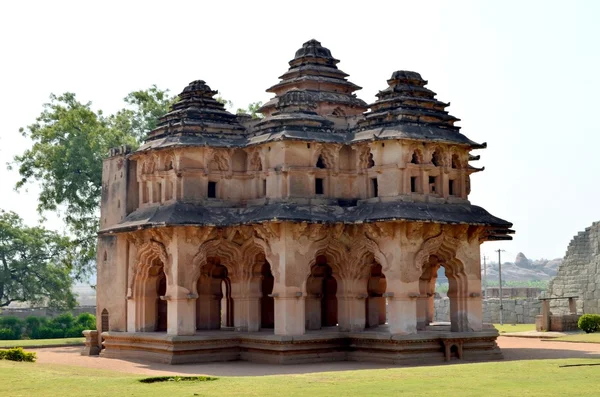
[(293, 170)]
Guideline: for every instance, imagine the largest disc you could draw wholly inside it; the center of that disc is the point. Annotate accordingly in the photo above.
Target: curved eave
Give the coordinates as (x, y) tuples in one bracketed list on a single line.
[(187, 214), (416, 133)]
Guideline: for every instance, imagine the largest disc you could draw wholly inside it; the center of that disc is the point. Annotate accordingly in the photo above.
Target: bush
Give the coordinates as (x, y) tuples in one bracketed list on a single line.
[(17, 354), (7, 334), (33, 325), (14, 324), (589, 323), (86, 320), (48, 332)]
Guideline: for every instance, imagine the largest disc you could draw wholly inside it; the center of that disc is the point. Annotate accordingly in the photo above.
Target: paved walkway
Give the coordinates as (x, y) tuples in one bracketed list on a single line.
[(513, 349)]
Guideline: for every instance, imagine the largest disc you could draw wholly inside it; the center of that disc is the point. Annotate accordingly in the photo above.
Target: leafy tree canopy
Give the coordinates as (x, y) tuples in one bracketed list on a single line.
[(70, 140), (35, 264)]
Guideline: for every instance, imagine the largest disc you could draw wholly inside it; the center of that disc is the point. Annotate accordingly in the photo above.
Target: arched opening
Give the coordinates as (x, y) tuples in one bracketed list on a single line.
[(321, 163), (214, 306), (267, 303), (370, 161), (439, 278), (436, 158), (161, 303), (150, 285), (376, 305), (321, 304), (104, 325), (416, 157)]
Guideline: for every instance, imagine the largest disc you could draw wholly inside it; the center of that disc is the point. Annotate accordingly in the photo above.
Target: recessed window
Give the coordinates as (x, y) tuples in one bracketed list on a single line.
[(321, 163), (374, 188), (451, 187), (413, 184), (319, 186), (212, 189), (432, 184), (370, 162)]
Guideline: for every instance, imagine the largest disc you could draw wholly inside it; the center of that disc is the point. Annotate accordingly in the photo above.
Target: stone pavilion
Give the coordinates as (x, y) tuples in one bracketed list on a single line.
[(312, 234)]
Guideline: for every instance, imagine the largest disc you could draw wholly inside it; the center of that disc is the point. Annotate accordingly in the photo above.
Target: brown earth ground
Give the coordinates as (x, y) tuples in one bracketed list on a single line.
[(513, 349)]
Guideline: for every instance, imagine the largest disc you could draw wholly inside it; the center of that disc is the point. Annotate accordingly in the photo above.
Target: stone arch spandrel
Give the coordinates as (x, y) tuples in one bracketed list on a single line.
[(441, 245), (238, 259)]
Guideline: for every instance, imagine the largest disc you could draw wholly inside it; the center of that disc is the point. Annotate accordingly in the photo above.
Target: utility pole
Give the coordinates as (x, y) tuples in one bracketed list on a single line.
[(485, 284), (500, 279)]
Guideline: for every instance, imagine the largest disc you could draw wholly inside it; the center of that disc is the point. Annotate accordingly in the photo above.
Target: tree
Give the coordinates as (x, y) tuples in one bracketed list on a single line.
[(252, 110), (70, 141), (35, 264)]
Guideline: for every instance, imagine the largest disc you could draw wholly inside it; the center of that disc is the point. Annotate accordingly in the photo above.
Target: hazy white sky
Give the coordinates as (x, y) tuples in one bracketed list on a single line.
[(523, 76)]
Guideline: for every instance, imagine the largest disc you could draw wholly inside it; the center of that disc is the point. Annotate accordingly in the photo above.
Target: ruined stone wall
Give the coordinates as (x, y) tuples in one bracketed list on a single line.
[(579, 274), (515, 311)]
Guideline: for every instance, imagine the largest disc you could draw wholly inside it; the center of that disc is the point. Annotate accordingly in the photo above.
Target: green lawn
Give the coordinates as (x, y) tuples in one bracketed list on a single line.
[(586, 338), (523, 378), (514, 328), (4, 344)]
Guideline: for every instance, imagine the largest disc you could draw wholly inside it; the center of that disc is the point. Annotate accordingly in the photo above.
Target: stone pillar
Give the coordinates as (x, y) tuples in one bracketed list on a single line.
[(351, 297), (474, 306), (402, 306), (545, 315), (181, 302), (289, 312), (181, 316), (254, 309), (240, 305)]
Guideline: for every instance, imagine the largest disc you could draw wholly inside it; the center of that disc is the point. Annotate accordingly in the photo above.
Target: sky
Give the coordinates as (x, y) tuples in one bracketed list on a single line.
[(523, 76)]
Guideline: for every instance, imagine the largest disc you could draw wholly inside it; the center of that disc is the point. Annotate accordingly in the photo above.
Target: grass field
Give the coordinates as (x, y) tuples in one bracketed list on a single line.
[(523, 378), (586, 338), (514, 328), (5, 344)]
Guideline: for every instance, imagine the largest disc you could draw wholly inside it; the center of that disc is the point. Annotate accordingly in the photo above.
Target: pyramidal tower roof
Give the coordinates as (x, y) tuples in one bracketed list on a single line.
[(314, 71), (197, 113), (406, 109)]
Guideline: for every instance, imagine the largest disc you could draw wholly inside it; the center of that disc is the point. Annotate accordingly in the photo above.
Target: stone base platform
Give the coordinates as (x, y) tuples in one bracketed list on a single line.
[(426, 347)]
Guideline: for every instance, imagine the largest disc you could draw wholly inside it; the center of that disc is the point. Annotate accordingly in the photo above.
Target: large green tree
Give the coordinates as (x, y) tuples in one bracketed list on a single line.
[(35, 264), (70, 140)]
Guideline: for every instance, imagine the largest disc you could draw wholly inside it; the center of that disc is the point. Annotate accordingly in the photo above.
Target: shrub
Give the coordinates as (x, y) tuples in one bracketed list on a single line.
[(14, 324), (75, 331), (86, 321), (50, 333), (589, 323), (17, 354), (7, 334), (33, 325)]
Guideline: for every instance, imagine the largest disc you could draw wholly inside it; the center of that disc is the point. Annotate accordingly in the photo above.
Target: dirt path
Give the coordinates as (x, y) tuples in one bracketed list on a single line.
[(513, 349)]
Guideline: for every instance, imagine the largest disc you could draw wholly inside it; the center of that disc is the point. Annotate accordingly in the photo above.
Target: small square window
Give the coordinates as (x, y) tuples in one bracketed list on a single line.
[(319, 186), (212, 189)]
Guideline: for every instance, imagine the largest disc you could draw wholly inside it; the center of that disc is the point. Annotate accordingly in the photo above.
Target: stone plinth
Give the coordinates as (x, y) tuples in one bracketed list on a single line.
[(91, 343), (426, 347)]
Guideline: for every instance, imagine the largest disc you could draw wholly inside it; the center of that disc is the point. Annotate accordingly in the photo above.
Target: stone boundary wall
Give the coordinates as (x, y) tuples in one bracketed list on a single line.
[(515, 311), (45, 312)]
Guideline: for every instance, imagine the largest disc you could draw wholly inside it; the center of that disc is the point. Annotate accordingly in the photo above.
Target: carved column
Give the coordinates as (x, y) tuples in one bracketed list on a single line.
[(352, 293), (181, 302)]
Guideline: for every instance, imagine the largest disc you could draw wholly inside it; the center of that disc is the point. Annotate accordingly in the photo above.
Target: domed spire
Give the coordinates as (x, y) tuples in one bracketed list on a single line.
[(406, 100), (197, 112), (314, 70)]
